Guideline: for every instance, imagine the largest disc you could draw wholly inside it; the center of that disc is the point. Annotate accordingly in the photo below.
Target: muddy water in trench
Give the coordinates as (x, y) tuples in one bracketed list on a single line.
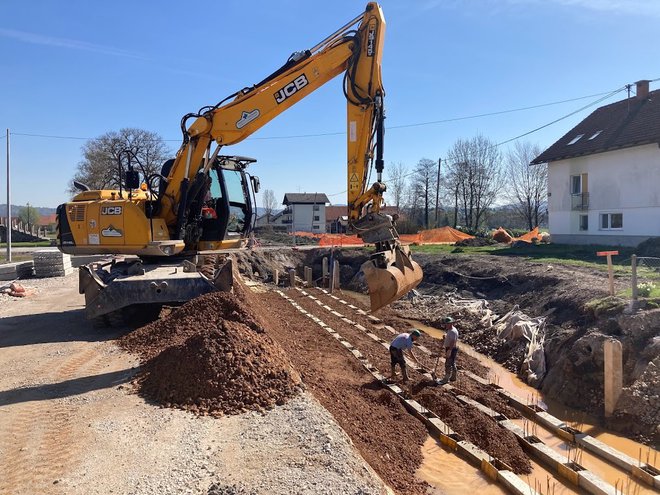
[(510, 382), (436, 459)]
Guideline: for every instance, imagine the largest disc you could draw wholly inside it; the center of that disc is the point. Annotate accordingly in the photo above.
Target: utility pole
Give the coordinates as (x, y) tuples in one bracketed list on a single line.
[(437, 194), (8, 227), (28, 217)]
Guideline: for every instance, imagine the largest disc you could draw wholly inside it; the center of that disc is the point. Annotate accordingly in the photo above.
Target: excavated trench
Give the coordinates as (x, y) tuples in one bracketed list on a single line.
[(573, 337), (226, 354)]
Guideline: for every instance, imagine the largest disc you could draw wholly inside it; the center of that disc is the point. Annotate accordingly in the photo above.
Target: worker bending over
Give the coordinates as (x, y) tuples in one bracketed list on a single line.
[(401, 343), (450, 345)]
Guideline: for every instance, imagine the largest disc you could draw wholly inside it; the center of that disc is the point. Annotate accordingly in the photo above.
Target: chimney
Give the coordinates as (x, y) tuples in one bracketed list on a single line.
[(642, 89)]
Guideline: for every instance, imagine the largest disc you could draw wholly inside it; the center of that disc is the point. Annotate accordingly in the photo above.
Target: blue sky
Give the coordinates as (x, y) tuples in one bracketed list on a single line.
[(79, 69)]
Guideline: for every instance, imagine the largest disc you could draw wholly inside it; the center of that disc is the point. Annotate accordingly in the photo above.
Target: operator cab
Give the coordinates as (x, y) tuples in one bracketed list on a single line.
[(227, 208)]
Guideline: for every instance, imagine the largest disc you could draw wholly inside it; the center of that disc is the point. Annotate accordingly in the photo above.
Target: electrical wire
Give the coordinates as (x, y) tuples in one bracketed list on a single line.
[(300, 136)]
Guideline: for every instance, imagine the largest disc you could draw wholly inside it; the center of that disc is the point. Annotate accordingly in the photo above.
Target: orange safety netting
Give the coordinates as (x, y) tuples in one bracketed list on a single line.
[(442, 235), (529, 235), (501, 235), (340, 240)]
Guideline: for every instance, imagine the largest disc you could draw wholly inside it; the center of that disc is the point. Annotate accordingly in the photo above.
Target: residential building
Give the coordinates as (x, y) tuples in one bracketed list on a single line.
[(305, 212), (604, 174)]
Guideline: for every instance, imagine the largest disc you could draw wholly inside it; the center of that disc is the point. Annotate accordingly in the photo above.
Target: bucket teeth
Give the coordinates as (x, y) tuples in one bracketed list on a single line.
[(390, 275)]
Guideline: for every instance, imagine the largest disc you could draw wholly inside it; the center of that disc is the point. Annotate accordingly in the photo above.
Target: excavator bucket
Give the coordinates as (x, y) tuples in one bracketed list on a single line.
[(390, 275)]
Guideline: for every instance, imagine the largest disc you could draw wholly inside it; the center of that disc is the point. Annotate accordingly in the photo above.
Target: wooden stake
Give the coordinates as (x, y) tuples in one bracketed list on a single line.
[(610, 269)]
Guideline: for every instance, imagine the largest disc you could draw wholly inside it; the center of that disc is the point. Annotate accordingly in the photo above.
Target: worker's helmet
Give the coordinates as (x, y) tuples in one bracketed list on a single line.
[(447, 320), (416, 333)]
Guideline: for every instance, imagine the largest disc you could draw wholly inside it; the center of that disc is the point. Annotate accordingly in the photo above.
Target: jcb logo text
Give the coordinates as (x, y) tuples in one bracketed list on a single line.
[(291, 88), (111, 210)]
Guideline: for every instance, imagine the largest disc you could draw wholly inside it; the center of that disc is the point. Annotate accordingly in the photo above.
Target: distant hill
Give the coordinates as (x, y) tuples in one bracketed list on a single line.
[(43, 210)]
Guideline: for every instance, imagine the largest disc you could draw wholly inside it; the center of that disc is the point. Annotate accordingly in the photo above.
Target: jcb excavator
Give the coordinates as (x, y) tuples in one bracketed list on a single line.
[(201, 202)]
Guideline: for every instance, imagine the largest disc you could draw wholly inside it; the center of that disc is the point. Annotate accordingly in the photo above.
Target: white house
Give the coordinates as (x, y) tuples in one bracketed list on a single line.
[(604, 175), (305, 212)]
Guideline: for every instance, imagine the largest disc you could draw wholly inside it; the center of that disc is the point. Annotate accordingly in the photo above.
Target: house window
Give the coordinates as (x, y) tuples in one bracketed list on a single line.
[(611, 221), (575, 139), (316, 218), (316, 207), (576, 184), (595, 135), (316, 227), (584, 222)]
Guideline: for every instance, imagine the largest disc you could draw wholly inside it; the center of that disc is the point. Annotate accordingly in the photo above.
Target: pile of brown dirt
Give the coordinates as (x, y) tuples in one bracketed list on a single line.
[(211, 356), (476, 242)]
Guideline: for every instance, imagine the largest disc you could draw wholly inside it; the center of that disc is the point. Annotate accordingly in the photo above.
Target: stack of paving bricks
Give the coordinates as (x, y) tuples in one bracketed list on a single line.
[(51, 263)]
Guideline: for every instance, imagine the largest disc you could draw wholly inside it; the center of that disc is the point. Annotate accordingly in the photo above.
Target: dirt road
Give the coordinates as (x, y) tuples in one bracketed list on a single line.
[(69, 422)]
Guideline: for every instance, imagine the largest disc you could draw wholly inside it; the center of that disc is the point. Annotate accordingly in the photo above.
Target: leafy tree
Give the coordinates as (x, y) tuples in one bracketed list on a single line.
[(269, 202), (29, 215), (528, 184), (99, 167), (474, 178)]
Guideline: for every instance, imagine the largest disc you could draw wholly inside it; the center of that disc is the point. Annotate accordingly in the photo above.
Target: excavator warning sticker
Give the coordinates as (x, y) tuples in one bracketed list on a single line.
[(353, 182), (111, 232), (247, 117), (93, 239), (352, 131)]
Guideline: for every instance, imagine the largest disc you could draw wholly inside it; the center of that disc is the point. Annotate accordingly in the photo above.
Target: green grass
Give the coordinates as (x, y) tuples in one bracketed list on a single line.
[(26, 244), (546, 253)]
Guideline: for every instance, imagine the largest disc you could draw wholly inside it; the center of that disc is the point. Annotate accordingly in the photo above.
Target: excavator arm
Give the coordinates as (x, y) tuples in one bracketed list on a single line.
[(171, 221), (356, 53)]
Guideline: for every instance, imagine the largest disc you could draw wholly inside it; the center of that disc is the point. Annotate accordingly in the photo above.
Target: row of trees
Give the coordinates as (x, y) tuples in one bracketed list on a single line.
[(476, 186)]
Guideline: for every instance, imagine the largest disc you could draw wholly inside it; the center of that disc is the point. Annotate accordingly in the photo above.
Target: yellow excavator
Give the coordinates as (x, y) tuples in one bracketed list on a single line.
[(169, 226)]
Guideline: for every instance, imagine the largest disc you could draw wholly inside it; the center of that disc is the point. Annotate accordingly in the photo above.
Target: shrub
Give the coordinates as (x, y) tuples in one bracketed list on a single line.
[(644, 289)]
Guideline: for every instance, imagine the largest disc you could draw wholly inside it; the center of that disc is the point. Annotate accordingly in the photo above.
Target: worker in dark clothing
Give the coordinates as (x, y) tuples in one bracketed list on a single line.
[(401, 343), (450, 345)]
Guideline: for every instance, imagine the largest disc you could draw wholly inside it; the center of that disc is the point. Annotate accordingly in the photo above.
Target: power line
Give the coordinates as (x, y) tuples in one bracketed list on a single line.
[(403, 126)]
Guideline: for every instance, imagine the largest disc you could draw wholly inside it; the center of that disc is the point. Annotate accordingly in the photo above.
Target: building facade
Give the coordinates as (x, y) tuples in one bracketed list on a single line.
[(305, 212), (604, 175)]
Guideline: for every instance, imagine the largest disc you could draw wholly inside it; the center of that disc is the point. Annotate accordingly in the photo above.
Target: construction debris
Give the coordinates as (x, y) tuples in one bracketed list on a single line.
[(17, 290)]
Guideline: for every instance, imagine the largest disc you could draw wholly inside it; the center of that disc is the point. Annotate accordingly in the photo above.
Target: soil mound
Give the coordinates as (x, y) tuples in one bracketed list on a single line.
[(476, 242), (212, 356)]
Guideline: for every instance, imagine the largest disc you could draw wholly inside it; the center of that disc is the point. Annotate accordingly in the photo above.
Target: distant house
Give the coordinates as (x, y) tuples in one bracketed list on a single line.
[(275, 220), (604, 174), (305, 212)]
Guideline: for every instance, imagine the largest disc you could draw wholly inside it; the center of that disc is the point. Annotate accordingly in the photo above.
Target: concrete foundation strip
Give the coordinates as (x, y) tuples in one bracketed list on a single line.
[(569, 470), (493, 468)]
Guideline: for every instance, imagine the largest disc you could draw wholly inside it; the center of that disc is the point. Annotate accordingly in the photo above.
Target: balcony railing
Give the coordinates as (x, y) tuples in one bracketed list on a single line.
[(580, 201)]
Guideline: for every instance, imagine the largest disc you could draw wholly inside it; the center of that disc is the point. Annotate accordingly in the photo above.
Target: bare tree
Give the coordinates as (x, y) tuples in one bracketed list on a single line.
[(396, 183), (99, 167), (528, 184), (425, 178), (474, 177), (269, 203)]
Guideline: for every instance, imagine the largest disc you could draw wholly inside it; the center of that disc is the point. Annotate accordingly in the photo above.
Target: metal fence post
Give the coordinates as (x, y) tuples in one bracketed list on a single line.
[(633, 264)]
